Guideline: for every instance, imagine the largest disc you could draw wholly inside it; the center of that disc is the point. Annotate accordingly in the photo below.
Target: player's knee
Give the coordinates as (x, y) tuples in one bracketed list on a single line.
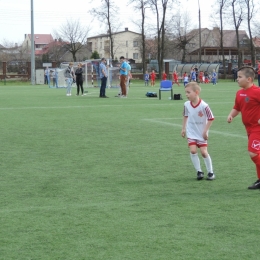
[(252, 154)]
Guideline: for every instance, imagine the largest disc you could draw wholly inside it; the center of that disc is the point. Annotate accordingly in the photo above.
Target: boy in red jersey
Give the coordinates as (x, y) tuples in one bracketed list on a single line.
[(175, 78), (164, 76), (248, 103), (153, 76)]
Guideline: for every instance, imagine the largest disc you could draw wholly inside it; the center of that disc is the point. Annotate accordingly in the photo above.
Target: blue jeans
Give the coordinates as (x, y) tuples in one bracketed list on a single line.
[(103, 87), (258, 80), (69, 83)]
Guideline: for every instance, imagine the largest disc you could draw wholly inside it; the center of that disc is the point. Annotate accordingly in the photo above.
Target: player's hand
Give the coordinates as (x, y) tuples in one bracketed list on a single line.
[(183, 133), (259, 121), (230, 118), (205, 135)]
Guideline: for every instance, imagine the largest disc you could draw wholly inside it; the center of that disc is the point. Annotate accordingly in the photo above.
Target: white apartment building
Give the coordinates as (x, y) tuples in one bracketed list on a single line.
[(126, 43)]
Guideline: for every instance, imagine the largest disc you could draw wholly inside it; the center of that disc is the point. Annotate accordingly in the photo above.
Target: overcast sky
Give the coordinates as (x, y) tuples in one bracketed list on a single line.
[(15, 16)]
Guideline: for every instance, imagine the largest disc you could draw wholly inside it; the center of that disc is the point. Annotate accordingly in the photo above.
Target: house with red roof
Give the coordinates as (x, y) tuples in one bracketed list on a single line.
[(40, 41)]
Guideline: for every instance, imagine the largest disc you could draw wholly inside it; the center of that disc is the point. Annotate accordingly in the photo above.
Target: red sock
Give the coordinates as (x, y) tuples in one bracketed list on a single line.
[(256, 160)]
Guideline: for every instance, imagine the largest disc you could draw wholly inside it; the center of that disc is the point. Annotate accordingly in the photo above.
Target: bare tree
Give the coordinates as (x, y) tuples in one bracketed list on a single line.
[(182, 34), (142, 5), (160, 7), (75, 35), (250, 12), (237, 14), (107, 12), (222, 5)]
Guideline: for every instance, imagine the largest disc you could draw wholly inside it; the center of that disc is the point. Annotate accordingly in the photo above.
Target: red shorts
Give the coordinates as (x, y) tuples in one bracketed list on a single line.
[(254, 143), (198, 143)]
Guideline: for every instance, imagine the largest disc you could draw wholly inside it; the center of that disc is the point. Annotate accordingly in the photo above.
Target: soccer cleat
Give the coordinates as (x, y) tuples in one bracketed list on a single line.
[(211, 176), (200, 176), (255, 185)]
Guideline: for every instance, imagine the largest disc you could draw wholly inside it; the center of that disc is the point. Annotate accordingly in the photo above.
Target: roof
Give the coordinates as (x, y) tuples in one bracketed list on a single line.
[(213, 39), (107, 35), (42, 38)]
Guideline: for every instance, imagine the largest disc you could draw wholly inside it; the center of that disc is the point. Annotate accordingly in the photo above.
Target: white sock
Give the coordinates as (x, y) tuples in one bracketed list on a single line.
[(208, 164), (196, 161)]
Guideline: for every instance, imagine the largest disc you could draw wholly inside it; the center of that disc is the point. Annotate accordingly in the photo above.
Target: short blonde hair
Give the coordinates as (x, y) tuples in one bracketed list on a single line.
[(71, 63), (194, 86)]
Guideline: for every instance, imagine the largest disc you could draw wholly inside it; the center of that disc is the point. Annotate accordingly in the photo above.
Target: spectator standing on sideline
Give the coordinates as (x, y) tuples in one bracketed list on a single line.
[(123, 76), (146, 78), (103, 77), (197, 119), (129, 76), (214, 77), (193, 75), (234, 72), (164, 76), (185, 79), (46, 76), (247, 103), (79, 79), (69, 78), (175, 78), (153, 76), (53, 75)]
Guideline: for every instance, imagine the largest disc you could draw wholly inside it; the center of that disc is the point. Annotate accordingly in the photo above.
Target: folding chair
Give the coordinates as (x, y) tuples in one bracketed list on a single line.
[(166, 85)]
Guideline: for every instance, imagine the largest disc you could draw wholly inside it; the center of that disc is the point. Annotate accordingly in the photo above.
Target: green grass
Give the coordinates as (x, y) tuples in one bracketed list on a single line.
[(90, 178)]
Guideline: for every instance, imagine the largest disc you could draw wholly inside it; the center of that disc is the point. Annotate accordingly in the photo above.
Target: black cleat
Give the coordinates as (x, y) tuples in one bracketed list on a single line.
[(255, 185), (200, 176), (211, 176)]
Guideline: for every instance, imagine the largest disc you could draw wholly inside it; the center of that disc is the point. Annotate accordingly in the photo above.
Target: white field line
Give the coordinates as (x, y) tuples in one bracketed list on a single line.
[(159, 121), (94, 106)]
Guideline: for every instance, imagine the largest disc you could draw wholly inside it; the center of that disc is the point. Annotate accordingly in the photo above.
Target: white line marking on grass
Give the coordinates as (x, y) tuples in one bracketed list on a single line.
[(180, 126), (94, 106)]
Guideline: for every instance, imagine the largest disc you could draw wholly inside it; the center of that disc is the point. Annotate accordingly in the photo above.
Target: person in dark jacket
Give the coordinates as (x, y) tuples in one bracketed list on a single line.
[(234, 72), (79, 79)]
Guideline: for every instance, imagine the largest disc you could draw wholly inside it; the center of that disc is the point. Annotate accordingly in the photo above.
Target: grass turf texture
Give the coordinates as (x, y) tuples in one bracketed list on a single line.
[(91, 178)]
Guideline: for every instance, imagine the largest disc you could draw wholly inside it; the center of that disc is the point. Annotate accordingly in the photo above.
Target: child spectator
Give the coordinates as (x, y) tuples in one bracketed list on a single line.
[(197, 119), (214, 78), (185, 79), (164, 76), (153, 76), (175, 78), (146, 78)]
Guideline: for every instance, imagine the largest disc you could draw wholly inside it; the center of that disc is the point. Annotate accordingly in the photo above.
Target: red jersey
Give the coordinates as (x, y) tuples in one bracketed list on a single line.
[(248, 103), (152, 76), (175, 76), (164, 76)]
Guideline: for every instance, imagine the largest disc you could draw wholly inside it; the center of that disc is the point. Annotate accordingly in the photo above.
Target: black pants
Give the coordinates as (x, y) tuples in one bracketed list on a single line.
[(103, 87), (79, 83), (258, 80)]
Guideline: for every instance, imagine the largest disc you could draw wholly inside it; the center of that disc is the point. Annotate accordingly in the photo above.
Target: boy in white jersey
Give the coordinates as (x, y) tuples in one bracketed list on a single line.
[(197, 119)]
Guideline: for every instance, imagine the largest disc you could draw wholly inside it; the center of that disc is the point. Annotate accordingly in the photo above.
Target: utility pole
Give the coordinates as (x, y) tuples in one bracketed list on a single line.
[(32, 47), (199, 33)]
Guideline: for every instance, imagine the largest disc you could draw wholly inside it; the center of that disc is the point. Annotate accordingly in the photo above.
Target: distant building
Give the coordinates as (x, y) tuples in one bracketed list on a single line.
[(210, 45), (126, 43), (40, 41)]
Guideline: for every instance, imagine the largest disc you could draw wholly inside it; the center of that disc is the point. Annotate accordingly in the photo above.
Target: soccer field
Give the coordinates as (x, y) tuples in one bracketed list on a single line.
[(92, 178)]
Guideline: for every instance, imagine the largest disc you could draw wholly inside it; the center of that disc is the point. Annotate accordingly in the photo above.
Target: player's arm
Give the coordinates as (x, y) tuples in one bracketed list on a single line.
[(184, 123), (206, 129), (233, 113)]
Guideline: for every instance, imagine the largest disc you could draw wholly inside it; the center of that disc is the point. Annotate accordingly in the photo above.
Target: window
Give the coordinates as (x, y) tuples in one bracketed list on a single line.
[(135, 43), (205, 35), (126, 43), (135, 55)]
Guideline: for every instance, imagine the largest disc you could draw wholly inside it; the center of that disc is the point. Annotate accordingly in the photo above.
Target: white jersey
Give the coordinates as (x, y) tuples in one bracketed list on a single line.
[(198, 117)]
